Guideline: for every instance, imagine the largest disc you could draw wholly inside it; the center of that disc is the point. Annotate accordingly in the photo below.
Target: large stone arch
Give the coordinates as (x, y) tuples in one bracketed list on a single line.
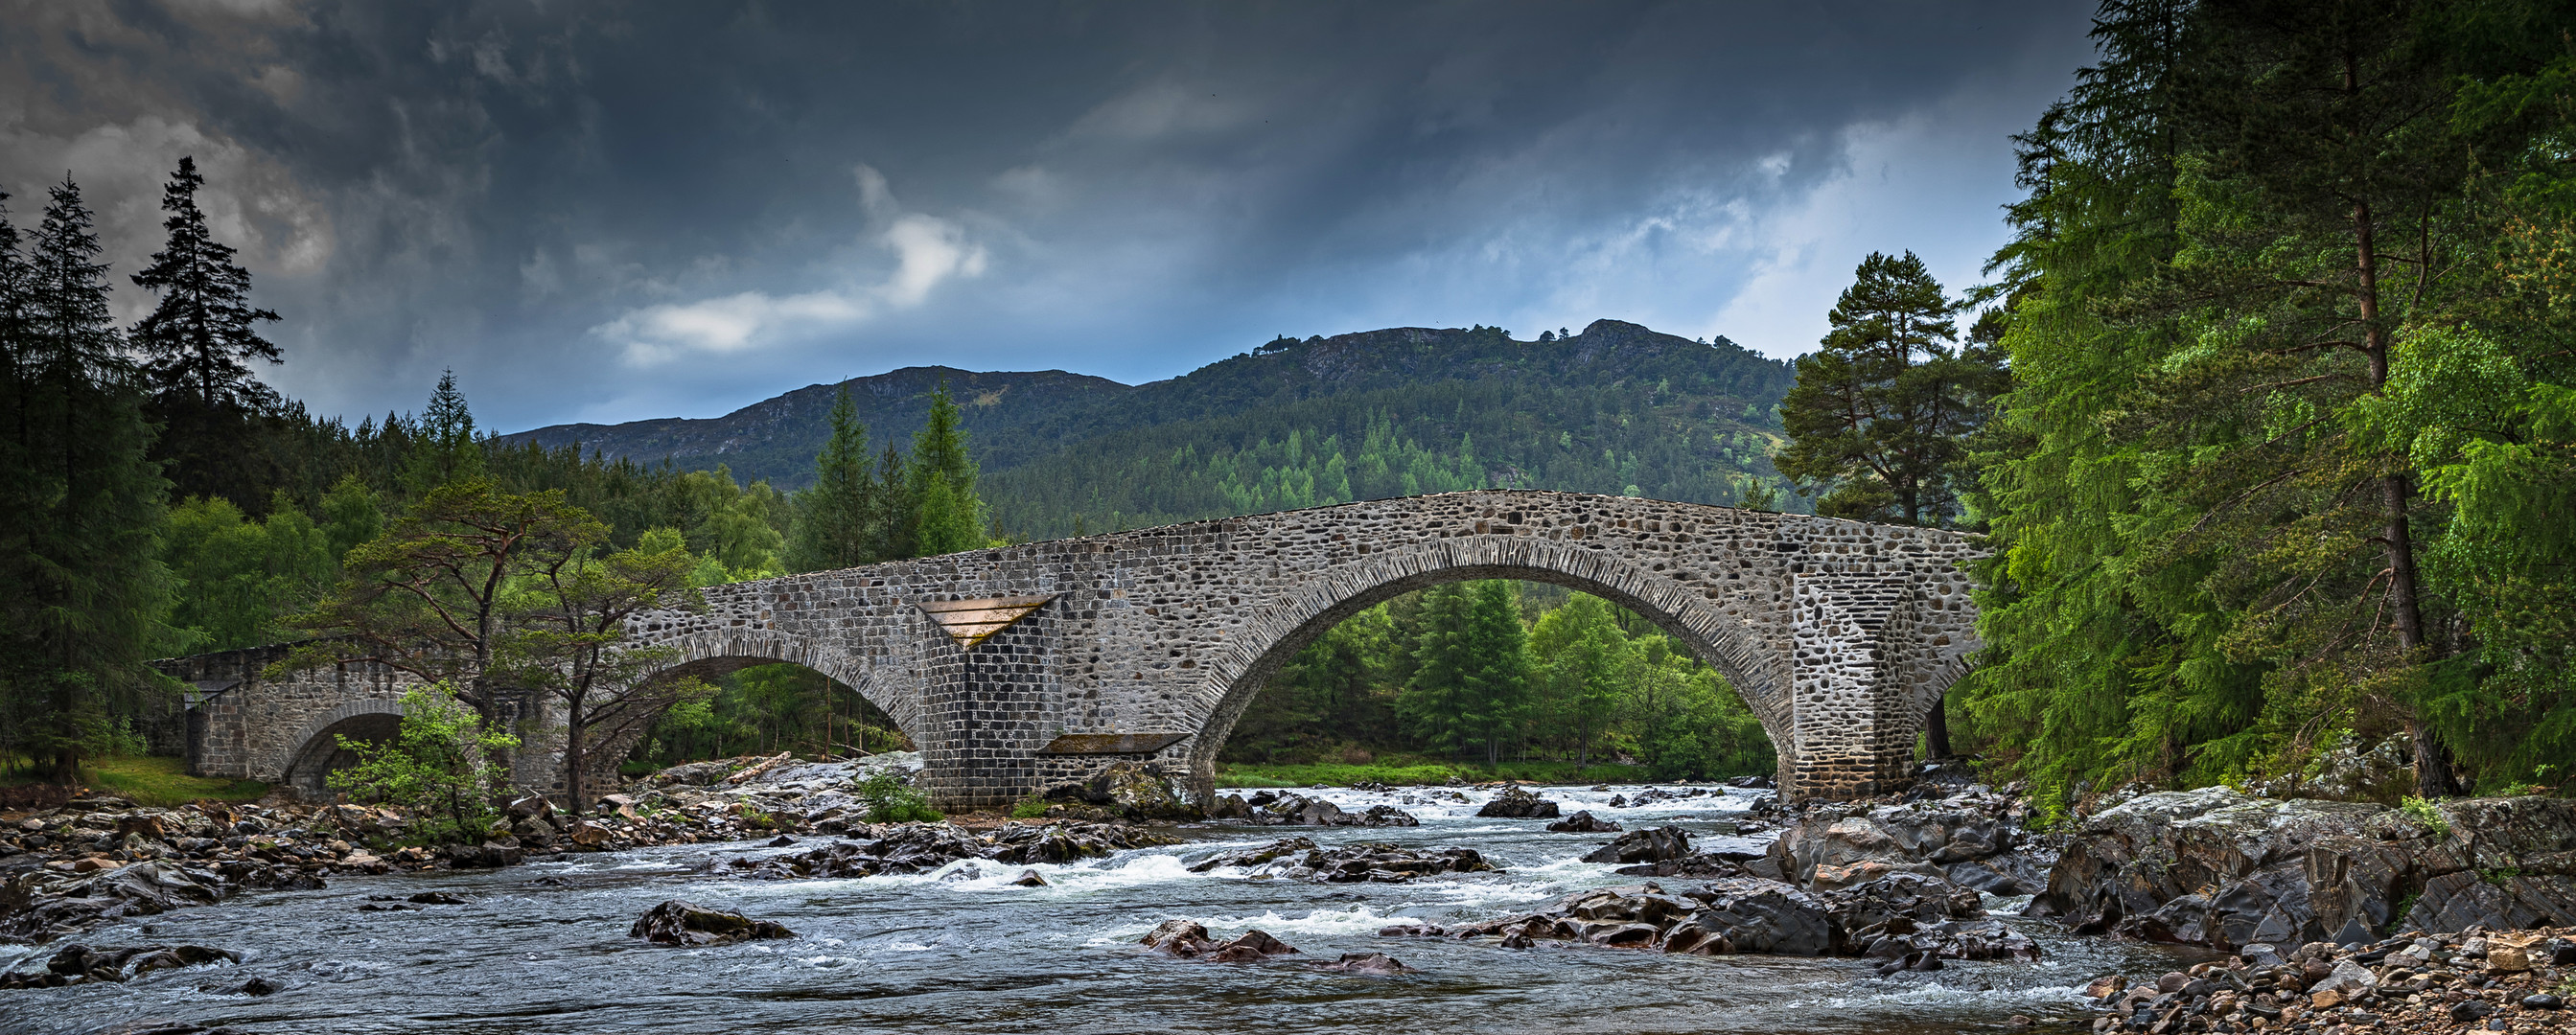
[(1300, 614), (713, 653)]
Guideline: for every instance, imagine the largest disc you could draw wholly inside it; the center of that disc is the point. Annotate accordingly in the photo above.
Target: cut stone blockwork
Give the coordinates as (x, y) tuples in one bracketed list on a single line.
[(1023, 668)]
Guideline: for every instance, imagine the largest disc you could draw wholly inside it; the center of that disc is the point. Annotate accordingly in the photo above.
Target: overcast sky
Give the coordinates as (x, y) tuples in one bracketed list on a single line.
[(614, 211)]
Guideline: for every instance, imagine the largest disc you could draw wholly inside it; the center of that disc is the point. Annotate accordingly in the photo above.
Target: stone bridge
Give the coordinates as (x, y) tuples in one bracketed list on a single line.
[(1021, 668)]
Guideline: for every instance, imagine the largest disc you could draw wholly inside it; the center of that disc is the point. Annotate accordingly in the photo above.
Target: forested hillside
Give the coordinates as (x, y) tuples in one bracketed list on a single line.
[(1615, 409), (2289, 459)]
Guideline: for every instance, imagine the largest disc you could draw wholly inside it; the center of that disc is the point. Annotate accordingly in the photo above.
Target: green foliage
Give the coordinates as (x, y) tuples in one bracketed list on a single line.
[(839, 519), (1471, 669), (2285, 330), (1029, 808), (1594, 681), (892, 799), (443, 766), (445, 450), (237, 578), (1878, 420), (83, 591), (2427, 814), (766, 709)]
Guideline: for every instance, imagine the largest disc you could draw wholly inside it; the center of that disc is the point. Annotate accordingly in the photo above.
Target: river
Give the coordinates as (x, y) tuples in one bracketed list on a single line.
[(543, 948)]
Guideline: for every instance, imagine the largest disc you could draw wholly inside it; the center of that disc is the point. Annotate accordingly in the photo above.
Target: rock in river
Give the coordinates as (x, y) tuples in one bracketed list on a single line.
[(1583, 823), (1189, 940), (1643, 846), (78, 964), (686, 924), (1297, 858), (1515, 803)]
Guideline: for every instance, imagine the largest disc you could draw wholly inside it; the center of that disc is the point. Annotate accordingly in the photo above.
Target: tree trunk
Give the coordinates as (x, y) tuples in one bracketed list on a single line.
[(2433, 775), (1936, 728), (572, 760)]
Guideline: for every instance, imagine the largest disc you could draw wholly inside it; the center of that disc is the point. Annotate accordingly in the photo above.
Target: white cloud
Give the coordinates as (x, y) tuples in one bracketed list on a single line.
[(928, 251)]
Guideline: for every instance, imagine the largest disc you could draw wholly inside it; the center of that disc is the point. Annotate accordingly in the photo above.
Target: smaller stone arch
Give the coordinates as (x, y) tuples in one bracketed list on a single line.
[(1314, 606), (317, 750)]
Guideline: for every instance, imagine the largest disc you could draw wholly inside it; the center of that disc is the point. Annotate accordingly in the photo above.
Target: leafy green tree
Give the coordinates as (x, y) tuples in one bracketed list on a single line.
[(238, 578), (433, 596), (351, 515), (444, 766), (1879, 417), (1584, 669), (567, 637), (82, 587), (837, 518)]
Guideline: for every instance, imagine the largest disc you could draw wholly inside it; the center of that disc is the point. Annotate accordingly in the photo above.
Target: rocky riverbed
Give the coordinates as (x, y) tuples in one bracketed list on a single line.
[(1908, 915)]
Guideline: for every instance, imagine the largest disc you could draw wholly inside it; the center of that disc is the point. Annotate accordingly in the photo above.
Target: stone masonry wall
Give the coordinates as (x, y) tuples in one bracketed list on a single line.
[(1838, 634)]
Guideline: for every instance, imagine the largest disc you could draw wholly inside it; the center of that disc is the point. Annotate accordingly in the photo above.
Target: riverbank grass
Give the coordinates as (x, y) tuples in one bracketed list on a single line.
[(157, 782), (1402, 774)]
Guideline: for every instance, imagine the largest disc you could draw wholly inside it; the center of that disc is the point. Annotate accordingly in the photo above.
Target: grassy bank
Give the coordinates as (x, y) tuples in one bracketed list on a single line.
[(1400, 773), (159, 782)]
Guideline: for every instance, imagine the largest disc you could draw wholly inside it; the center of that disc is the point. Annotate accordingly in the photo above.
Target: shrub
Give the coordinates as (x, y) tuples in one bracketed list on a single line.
[(892, 799), (2422, 811), (1031, 807), (443, 766)]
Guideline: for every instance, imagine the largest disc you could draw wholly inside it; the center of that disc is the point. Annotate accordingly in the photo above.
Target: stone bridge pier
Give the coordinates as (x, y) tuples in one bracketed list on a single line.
[(1027, 667)]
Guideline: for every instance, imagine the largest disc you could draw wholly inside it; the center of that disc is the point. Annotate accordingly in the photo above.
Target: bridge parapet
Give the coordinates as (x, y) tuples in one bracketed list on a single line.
[(1147, 645)]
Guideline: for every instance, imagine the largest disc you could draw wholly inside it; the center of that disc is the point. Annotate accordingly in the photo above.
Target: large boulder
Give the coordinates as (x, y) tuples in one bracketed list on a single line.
[(2218, 868), (1515, 803), (686, 924), (1643, 846), (1917, 836)]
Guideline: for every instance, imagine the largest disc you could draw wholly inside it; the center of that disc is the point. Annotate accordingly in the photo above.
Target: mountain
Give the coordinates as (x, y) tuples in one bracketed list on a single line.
[(1617, 408)]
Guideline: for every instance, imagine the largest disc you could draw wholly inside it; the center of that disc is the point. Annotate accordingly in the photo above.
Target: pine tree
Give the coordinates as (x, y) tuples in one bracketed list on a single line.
[(197, 345), (1472, 672), (1878, 419), (199, 339), (443, 449), (84, 592), (836, 524), (948, 516)]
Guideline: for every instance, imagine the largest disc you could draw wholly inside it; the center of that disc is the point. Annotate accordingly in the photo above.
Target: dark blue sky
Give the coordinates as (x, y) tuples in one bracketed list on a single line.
[(607, 212)]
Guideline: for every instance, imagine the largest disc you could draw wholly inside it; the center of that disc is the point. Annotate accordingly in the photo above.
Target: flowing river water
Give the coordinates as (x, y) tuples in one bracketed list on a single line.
[(544, 948)]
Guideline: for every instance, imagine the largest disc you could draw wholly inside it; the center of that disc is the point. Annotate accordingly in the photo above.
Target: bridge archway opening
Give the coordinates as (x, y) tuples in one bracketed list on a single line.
[(1723, 658), (760, 705), (319, 752)]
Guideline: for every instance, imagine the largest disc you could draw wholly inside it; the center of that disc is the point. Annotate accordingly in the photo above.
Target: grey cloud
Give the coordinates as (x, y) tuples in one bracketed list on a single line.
[(1126, 189)]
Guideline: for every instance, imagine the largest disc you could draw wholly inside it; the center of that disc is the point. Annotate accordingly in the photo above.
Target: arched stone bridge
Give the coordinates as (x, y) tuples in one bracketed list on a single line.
[(1021, 668)]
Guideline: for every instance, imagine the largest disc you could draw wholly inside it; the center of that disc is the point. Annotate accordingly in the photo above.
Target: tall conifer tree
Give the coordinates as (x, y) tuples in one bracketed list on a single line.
[(1878, 419), (83, 592), (837, 519)]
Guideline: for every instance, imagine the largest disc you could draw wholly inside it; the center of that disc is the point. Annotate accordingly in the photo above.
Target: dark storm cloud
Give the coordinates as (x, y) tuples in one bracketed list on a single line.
[(617, 211)]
